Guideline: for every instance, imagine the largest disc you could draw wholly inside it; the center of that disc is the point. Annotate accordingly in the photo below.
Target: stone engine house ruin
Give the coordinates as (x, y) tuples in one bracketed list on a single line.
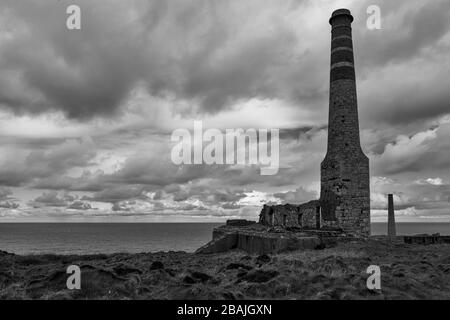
[(344, 202)]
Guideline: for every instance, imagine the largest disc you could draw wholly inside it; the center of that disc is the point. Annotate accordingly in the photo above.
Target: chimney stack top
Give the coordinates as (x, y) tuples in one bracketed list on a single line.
[(339, 13)]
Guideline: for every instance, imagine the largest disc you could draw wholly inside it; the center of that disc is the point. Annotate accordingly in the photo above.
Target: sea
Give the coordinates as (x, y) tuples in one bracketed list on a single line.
[(107, 238)]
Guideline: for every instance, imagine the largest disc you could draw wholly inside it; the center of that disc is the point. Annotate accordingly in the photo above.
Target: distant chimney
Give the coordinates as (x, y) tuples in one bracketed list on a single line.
[(391, 217)]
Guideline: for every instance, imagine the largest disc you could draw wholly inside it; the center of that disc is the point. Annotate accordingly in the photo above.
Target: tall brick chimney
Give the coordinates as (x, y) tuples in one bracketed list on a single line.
[(345, 187)]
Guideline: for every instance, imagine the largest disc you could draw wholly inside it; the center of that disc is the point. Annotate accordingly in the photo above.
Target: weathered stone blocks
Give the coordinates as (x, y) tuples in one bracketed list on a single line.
[(292, 216), (258, 241), (345, 178)]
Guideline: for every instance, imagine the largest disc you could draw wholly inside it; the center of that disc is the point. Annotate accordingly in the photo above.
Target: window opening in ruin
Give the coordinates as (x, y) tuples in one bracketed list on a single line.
[(318, 217), (271, 217)]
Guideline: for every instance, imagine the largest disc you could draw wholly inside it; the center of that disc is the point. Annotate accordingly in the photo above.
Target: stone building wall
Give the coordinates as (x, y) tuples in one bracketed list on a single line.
[(345, 181), (291, 216), (345, 186)]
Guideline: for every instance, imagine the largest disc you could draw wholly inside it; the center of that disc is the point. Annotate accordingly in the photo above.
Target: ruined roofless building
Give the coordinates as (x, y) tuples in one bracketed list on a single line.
[(345, 189)]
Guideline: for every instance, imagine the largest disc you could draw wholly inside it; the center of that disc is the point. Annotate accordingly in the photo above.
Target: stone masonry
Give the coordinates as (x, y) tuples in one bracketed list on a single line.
[(292, 216), (391, 217), (345, 180), (345, 188), (343, 210)]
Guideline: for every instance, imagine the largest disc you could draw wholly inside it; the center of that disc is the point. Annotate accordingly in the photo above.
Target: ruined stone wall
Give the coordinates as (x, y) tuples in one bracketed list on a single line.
[(345, 186), (281, 215), (290, 216), (309, 214)]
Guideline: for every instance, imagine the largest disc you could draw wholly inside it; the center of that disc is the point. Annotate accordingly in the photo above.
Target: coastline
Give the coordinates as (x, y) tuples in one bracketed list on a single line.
[(407, 272), (110, 238)]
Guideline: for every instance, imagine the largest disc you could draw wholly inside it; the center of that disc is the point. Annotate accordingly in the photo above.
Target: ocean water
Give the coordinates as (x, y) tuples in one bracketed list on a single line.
[(90, 238), (405, 228)]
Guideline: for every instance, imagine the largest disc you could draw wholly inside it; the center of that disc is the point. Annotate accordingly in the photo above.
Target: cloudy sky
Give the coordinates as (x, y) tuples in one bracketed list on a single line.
[(86, 115)]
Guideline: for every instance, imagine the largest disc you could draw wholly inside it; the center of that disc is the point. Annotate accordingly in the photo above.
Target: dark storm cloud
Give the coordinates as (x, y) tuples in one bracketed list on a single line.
[(150, 169), (179, 186), (5, 193), (131, 208), (188, 50), (403, 68), (211, 53), (212, 194), (59, 200), (86, 182), (296, 197), (428, 150), (79, 205), (409, 27), (420, 195), (181, 196), (117, 194), (79, 74), (307, 132), (16, 170), (413, 102), (120, 207), (29, 143), (157, 169), (52, 199), (9, 205), (6, 199), (211, 56), (154, 171)]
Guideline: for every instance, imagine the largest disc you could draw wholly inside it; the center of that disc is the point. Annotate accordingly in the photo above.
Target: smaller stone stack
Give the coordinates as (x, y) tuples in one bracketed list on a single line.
[(392, 233)]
